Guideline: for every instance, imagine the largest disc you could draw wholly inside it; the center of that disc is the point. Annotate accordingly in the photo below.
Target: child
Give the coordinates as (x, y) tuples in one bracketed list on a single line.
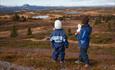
[(83, 37), (59, 42)]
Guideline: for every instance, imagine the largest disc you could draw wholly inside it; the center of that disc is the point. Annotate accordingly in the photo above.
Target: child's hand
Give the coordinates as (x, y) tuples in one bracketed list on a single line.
[(77, 33)]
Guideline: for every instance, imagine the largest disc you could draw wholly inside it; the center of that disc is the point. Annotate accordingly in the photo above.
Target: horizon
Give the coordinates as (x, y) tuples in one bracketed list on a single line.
[(68, 3), (58, 6)]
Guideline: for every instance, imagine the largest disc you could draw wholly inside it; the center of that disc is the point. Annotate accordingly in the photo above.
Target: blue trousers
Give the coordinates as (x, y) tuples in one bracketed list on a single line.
[(59, 52), (83, 55)]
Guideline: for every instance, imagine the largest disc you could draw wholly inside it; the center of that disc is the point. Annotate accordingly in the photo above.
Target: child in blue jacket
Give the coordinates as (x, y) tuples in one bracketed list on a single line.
[(59, 41), (83, 37)]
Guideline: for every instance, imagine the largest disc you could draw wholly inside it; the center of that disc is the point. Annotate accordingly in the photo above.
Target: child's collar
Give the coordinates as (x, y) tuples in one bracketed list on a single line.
[(58, 29)]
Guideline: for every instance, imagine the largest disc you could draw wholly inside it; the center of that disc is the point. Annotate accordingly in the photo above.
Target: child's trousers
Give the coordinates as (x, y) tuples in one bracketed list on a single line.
[(83, 55), (59, 52)]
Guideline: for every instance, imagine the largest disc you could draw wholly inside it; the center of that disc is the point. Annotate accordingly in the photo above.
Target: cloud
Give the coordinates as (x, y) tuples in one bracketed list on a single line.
[(91, 3), (59, 2)]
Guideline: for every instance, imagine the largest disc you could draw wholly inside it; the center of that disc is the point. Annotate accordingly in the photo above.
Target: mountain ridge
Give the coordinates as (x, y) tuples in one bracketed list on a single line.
[(28, 7)]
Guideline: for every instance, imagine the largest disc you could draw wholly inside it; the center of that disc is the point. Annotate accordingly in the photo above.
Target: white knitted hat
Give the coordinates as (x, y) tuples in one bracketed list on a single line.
[(58, 24)]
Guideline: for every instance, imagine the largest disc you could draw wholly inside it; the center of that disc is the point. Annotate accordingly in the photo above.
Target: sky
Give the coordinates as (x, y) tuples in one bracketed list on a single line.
[(58, 2)]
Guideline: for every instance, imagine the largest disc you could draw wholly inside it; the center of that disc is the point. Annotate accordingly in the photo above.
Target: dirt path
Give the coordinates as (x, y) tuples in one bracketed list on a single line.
[(75, 42)]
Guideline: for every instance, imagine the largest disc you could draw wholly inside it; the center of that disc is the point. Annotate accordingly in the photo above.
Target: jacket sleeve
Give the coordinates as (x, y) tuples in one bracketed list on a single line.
[(52, 41), (85, 33), (66, 43), (77, 36)]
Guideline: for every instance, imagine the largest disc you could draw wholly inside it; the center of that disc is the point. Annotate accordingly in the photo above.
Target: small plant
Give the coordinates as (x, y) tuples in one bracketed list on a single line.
[(16, 17), (97, 21), (69, 32), (29, 31), (109, 26), (61, 18), (14, 32), (23, 19)]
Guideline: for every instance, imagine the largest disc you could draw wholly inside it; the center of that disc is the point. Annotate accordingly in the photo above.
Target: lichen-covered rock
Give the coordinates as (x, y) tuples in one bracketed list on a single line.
[(8, 66)]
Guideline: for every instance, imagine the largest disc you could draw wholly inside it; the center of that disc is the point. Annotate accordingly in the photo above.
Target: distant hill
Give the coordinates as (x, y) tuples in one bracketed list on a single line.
[(27, 7)]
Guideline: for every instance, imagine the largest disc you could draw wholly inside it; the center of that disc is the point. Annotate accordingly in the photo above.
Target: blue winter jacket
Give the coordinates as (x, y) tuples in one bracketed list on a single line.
[(84, 36), (58, 38)]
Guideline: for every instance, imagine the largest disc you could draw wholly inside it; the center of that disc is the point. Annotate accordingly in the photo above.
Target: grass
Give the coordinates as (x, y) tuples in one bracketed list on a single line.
[(37, 54), (33, 54), (72, 37), (42, 34), (44, 62), (31, 44), (19, 43), (102, 38)]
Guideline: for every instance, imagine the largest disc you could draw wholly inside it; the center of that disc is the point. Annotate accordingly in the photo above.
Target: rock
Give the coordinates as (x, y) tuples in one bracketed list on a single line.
[(8, 66)]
